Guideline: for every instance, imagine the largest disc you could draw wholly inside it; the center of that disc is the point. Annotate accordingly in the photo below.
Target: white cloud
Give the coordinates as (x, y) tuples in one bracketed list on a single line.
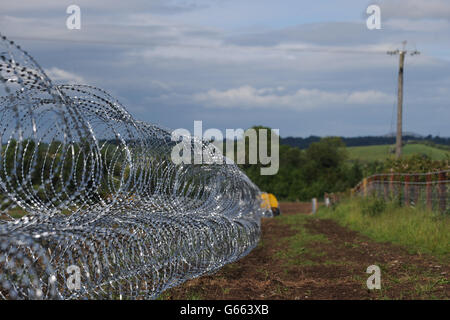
[(249, 97), (435, 26), (416, 9), (60, 75), (159, 6)]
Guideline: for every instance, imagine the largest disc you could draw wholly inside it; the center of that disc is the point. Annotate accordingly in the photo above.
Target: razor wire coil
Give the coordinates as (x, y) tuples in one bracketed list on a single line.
[(84, 184)]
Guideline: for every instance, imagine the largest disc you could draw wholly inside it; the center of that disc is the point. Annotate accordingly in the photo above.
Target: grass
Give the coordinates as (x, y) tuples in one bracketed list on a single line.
[(16, 213), (303, 249), (381, 152), (297, 248), (417, 229)]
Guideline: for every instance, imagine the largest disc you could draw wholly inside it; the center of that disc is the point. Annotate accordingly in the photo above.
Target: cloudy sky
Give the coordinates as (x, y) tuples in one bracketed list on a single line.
[(305, 67)]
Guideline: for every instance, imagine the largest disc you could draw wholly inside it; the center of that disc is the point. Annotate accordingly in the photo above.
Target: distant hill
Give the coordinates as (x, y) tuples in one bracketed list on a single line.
[(389, 139), (382, 152), (405, 133)]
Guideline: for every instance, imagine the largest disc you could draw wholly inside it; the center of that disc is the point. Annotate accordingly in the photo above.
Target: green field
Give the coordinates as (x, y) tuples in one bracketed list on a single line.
[(381, 152)]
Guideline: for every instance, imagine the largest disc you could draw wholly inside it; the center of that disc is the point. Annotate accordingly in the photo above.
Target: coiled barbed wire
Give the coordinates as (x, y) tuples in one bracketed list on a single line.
[(84, 184)]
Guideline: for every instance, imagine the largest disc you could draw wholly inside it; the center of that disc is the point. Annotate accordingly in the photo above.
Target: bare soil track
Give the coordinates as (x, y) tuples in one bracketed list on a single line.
[(330, 264)]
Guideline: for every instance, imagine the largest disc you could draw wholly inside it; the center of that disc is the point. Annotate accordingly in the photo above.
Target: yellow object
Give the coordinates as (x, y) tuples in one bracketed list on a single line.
[(269, 201)]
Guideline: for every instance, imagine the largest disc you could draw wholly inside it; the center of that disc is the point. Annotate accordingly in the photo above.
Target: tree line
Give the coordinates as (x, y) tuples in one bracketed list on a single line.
[(304, 143), (303, 174)]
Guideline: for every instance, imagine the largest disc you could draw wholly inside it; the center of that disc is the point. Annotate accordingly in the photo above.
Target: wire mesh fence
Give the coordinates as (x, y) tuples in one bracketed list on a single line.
[(430, 190), (91, 203)]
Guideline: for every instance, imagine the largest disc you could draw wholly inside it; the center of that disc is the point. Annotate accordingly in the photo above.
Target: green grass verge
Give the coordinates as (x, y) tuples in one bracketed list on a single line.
[(381, 152), (297, 247), (417, 229)]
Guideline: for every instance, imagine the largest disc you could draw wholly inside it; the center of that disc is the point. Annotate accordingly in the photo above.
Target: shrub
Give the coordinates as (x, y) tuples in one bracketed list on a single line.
[(373, 206)]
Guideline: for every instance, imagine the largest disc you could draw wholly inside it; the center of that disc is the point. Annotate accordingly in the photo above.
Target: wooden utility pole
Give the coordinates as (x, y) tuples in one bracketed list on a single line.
[(398, 141)]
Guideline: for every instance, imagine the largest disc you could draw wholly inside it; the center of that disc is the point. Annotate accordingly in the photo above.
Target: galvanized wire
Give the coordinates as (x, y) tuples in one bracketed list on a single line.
[(84, 184), (429, 190)]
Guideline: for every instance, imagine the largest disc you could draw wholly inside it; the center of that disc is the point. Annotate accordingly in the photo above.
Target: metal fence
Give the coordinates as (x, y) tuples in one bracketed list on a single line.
[(430, 190)]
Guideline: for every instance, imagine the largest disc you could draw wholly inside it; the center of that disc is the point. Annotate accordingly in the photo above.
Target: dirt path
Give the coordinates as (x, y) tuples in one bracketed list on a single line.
[(302, 257)]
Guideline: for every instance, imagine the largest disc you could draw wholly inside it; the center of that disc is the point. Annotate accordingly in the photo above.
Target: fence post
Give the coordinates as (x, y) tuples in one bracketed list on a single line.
[(416, 190), (365, 187), (407, 190), (314, 205), (327, 200), (442, 191), (391, 186), (385, 188), (428, 190)]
